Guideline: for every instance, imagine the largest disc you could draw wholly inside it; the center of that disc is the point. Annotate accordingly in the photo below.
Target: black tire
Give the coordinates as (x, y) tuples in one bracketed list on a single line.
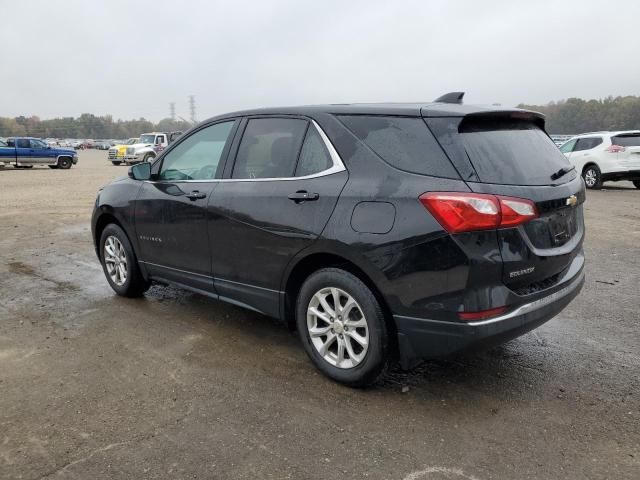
[(135, 284), (592, 177), (377, 358), (636, 183), (116, 163), (149, 157), (64, 163)]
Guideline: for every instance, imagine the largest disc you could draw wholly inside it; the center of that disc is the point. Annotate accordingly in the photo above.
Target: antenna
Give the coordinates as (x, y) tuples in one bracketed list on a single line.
[(451, 97)]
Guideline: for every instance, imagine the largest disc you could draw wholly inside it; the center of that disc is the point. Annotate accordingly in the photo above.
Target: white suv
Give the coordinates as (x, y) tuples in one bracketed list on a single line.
[(603, 156)]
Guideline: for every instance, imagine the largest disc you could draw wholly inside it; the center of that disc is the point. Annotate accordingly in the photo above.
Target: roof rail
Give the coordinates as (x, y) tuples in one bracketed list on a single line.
[(451, 97)]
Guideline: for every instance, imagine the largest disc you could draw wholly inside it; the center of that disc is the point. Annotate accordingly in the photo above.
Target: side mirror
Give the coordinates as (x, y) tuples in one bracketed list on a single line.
[(140, 171)]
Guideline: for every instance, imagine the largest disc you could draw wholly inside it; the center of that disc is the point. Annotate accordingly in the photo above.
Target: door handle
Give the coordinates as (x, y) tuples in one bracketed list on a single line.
[(196, 195), (303, 196)]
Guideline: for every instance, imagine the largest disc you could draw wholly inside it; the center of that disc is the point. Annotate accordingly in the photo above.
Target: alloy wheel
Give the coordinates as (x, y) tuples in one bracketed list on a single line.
[(590, 177), (115, 260), (337, 327)]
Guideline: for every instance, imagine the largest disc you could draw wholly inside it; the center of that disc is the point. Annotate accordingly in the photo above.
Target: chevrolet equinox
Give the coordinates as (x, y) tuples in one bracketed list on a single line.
[(380, 231)]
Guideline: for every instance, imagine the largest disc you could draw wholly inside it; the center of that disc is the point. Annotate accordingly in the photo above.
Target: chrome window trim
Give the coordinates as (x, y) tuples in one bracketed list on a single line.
[(336, 167)]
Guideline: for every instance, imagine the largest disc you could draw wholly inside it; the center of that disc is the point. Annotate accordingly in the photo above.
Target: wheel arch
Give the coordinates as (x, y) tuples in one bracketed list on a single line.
[(315, 261), (588, 164)]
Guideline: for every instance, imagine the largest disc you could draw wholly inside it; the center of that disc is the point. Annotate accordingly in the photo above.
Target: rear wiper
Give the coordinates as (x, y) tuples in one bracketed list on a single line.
[(562, 172)]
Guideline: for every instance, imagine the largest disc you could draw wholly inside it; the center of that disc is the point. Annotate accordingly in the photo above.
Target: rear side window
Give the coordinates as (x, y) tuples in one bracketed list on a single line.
[(503, 150), (314, 157), (626, 140), (405, 143), (587, 143), (269, 148), (23, 143)]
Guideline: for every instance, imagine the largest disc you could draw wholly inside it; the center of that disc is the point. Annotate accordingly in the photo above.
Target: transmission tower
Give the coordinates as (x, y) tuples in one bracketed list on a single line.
[(192, 108), (172, 110)]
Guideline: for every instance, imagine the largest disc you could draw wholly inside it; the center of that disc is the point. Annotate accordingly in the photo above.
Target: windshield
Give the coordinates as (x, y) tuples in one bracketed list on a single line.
[(147, 138), (131, 141)]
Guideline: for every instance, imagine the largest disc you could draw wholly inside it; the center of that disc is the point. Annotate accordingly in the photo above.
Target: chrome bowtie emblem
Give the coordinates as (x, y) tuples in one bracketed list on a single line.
[(572, 200)]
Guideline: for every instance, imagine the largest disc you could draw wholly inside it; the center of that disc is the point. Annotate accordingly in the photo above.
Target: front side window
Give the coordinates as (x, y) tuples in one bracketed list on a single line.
[(269, 148), (567, 147), (197, 157), (587, 143), (37, 144), (314, 157)]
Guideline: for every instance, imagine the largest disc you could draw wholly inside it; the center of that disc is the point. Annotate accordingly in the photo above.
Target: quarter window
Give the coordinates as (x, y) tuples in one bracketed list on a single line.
[(626, 140), (404, 142), (314, 157), (197, 157), (269, 148), (587, 143), (567, 147)]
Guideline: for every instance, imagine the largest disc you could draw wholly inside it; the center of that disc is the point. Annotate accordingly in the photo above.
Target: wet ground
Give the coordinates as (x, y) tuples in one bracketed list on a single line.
[(176, 385)]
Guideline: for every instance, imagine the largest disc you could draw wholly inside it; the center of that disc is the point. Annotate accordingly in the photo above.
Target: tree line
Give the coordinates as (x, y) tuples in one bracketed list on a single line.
[(85, 126), (575, 115)]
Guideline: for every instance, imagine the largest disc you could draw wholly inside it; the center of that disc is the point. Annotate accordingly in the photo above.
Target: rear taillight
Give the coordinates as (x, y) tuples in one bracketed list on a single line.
[(464, 212), (614, 149)]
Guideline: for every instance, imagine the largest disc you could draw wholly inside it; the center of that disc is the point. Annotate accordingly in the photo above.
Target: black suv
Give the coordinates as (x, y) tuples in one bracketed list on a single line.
[(380, 231)]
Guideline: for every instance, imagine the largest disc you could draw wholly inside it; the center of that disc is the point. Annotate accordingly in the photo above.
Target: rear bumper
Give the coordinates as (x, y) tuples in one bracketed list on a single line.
[(423, 338)]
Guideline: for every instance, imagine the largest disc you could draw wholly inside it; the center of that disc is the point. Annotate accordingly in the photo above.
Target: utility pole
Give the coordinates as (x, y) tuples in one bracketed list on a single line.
[(172, 110), (192, 108)]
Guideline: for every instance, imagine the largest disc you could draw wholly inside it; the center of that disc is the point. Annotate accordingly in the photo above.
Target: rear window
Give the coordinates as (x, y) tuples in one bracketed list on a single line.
[(403, 142), (502, 150), (626, 140)]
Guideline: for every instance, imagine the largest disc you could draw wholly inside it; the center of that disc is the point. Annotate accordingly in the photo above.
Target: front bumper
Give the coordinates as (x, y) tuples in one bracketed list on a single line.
[(420, 338)]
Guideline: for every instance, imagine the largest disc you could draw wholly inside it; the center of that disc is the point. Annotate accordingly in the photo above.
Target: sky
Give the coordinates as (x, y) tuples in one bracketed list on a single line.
[(130, 58)]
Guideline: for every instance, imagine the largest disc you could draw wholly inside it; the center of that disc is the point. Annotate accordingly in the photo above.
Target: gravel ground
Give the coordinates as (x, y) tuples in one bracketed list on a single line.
[(176, 385)]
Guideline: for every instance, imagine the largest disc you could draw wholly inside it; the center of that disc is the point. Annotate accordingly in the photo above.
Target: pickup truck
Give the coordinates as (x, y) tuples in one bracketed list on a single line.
[(148, 146), (25, 152)]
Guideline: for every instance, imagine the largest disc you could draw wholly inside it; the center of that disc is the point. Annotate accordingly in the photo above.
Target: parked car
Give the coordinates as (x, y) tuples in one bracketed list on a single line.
[(605, 156), (25, 152), (103, 145), (117, 152), (412, 229)]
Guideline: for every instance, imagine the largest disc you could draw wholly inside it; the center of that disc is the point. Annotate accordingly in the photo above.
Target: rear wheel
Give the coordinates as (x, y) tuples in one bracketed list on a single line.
[(120, 264), (636, 183), (342, 327), (592, 177), (64, 162)]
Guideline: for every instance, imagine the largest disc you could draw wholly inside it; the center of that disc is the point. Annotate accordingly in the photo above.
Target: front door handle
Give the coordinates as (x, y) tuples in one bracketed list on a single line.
[(196, 195), (303, 196)]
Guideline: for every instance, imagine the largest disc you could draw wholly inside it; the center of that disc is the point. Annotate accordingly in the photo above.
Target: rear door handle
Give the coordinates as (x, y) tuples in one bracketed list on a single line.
[(196, 195), (303, 196)]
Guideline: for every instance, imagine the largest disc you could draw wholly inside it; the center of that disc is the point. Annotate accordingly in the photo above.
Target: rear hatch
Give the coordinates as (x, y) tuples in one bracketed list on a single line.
[(509, 153), (629, 149)]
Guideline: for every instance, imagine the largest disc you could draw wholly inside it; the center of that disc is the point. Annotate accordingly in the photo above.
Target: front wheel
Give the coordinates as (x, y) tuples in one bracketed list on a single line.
[(116, 163), (592, 177), (120, 264), (636, 183), (64, 163), (148, 157), (342, 327)]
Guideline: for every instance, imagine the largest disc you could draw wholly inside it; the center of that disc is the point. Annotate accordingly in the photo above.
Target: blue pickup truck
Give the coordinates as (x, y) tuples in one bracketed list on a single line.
[(24, 152)]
